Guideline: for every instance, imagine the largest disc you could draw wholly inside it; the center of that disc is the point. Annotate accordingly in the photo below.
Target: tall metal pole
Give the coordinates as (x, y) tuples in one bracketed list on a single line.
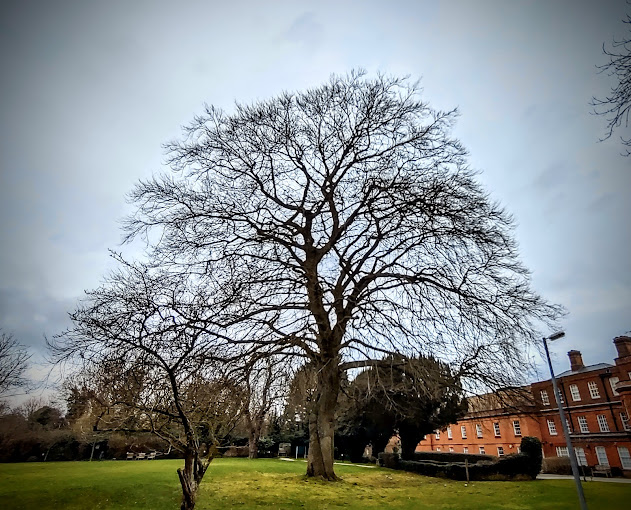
[(566, 433)]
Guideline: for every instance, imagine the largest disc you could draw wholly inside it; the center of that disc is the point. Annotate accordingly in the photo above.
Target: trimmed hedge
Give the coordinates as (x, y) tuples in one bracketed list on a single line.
[(521, 466), (451, 457)]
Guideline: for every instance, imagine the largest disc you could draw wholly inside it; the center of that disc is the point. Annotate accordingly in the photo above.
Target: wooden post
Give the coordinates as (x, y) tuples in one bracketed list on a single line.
[(466, 468)]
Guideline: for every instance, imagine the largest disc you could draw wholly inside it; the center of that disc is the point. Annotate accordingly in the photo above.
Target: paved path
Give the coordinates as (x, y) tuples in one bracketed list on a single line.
[(588, 478)]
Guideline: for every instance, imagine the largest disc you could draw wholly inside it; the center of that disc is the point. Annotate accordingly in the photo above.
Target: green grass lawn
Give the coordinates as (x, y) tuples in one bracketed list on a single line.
[(275, 484)]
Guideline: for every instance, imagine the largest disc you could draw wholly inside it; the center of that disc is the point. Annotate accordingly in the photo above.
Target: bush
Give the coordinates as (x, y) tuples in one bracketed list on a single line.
[(557, 466), (234, 451), (531, 447), (389, 460)]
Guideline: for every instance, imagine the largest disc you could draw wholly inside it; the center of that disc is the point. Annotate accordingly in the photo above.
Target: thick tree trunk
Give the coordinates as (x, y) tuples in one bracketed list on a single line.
[(253, 442), (322, 422), (409, 442)]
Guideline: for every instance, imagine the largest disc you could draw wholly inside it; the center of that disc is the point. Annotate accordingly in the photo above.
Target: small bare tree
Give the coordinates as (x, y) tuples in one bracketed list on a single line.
[(617, 105), (265, 384), (147, 341), (349, 220), (13, 364)]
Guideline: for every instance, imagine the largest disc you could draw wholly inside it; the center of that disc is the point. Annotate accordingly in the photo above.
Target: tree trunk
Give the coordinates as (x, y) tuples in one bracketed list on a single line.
[(322, 422), (409, 442), (253, 441), (190, 477)]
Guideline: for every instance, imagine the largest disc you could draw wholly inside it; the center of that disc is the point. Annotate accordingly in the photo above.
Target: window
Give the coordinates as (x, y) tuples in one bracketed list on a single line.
[(482, 452), (625, 458), (593, 389), (519, 449), (601, 455), (568, 423), (451, 448), (580, 456), (625, 421), (552, 428), (582, 423), (613, 381), (463, 432), (496, 428), (516, 428), (449, 434), (437, 434), (465, 450), (545, 400), (438, 448), (500, 451), (576, 395), (602, 423), (562, 451), (560, 394), (478, 430)]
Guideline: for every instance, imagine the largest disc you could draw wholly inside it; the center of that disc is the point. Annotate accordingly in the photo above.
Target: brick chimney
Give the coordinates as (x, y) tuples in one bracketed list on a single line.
[(576, 360), (623, 346)]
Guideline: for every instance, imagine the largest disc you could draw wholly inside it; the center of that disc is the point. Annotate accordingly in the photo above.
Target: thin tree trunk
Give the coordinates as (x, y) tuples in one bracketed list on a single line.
[(322, 422), (253, 442), (190, 477)]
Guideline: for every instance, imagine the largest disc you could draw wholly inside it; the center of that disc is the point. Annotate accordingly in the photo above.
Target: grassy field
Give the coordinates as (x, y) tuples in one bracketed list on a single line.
[(244, 484)]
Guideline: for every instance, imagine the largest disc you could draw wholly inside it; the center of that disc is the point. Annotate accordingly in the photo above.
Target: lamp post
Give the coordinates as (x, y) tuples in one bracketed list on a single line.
[(566, 432)]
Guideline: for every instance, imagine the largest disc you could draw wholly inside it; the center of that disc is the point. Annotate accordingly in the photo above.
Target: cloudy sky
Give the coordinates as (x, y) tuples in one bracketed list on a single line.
[(91, 90)]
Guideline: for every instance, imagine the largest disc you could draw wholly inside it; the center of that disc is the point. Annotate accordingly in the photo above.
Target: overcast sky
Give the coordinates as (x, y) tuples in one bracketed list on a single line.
[(91, 90)]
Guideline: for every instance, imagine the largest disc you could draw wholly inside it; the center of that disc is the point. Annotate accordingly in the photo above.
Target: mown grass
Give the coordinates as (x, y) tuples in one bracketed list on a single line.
[(275, 484)]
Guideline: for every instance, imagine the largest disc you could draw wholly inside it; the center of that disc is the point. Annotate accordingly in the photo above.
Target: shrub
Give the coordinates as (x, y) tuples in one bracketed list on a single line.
[(531, 447), (557, 466)]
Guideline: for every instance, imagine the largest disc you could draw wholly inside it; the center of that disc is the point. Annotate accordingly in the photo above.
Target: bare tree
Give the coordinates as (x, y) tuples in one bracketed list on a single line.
[(13, 364), (617, 105), (351, 224), (265, 383), (146, 341)]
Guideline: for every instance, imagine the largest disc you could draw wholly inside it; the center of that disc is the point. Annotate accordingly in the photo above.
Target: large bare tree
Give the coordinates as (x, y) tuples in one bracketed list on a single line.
[(151, 360), (348, 219)]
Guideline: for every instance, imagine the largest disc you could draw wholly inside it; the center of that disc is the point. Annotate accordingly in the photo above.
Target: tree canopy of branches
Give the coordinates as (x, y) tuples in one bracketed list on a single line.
[(13, 364), (408, 397), (350, 224), (151, 363), (617, 105)]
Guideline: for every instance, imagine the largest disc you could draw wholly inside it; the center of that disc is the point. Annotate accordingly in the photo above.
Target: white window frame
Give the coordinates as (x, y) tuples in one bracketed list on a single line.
[(449, 433), (583, 425), (482, 450), (438, 448), (478, 431), (603, 425), (451, 448), (624, 419), (496, 429), (500, 451), (574, 391), (593, 389), (517, 428), (545, 400), (562, 451), (437, 434), (625, 458), (465, 450), (601, 455), (463, 431), (581, 460), (552, 428), (560, 393), (612, 382)]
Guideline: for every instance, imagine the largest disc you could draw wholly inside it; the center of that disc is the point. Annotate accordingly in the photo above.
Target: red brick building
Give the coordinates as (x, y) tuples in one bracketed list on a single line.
[(597, 402)]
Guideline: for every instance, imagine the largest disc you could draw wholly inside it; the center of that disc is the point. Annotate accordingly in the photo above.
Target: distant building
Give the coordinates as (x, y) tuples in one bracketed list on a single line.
[(597, 402)]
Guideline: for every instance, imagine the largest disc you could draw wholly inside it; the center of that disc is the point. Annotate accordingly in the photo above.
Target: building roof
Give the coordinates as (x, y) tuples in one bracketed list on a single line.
[(588, 368)]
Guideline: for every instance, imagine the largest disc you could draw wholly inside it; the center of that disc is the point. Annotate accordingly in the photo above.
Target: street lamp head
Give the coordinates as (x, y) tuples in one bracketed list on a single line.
[(557, 335)]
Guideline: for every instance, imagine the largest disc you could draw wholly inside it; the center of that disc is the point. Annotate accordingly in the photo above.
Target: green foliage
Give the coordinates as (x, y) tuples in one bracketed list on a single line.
[(410, 397)]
